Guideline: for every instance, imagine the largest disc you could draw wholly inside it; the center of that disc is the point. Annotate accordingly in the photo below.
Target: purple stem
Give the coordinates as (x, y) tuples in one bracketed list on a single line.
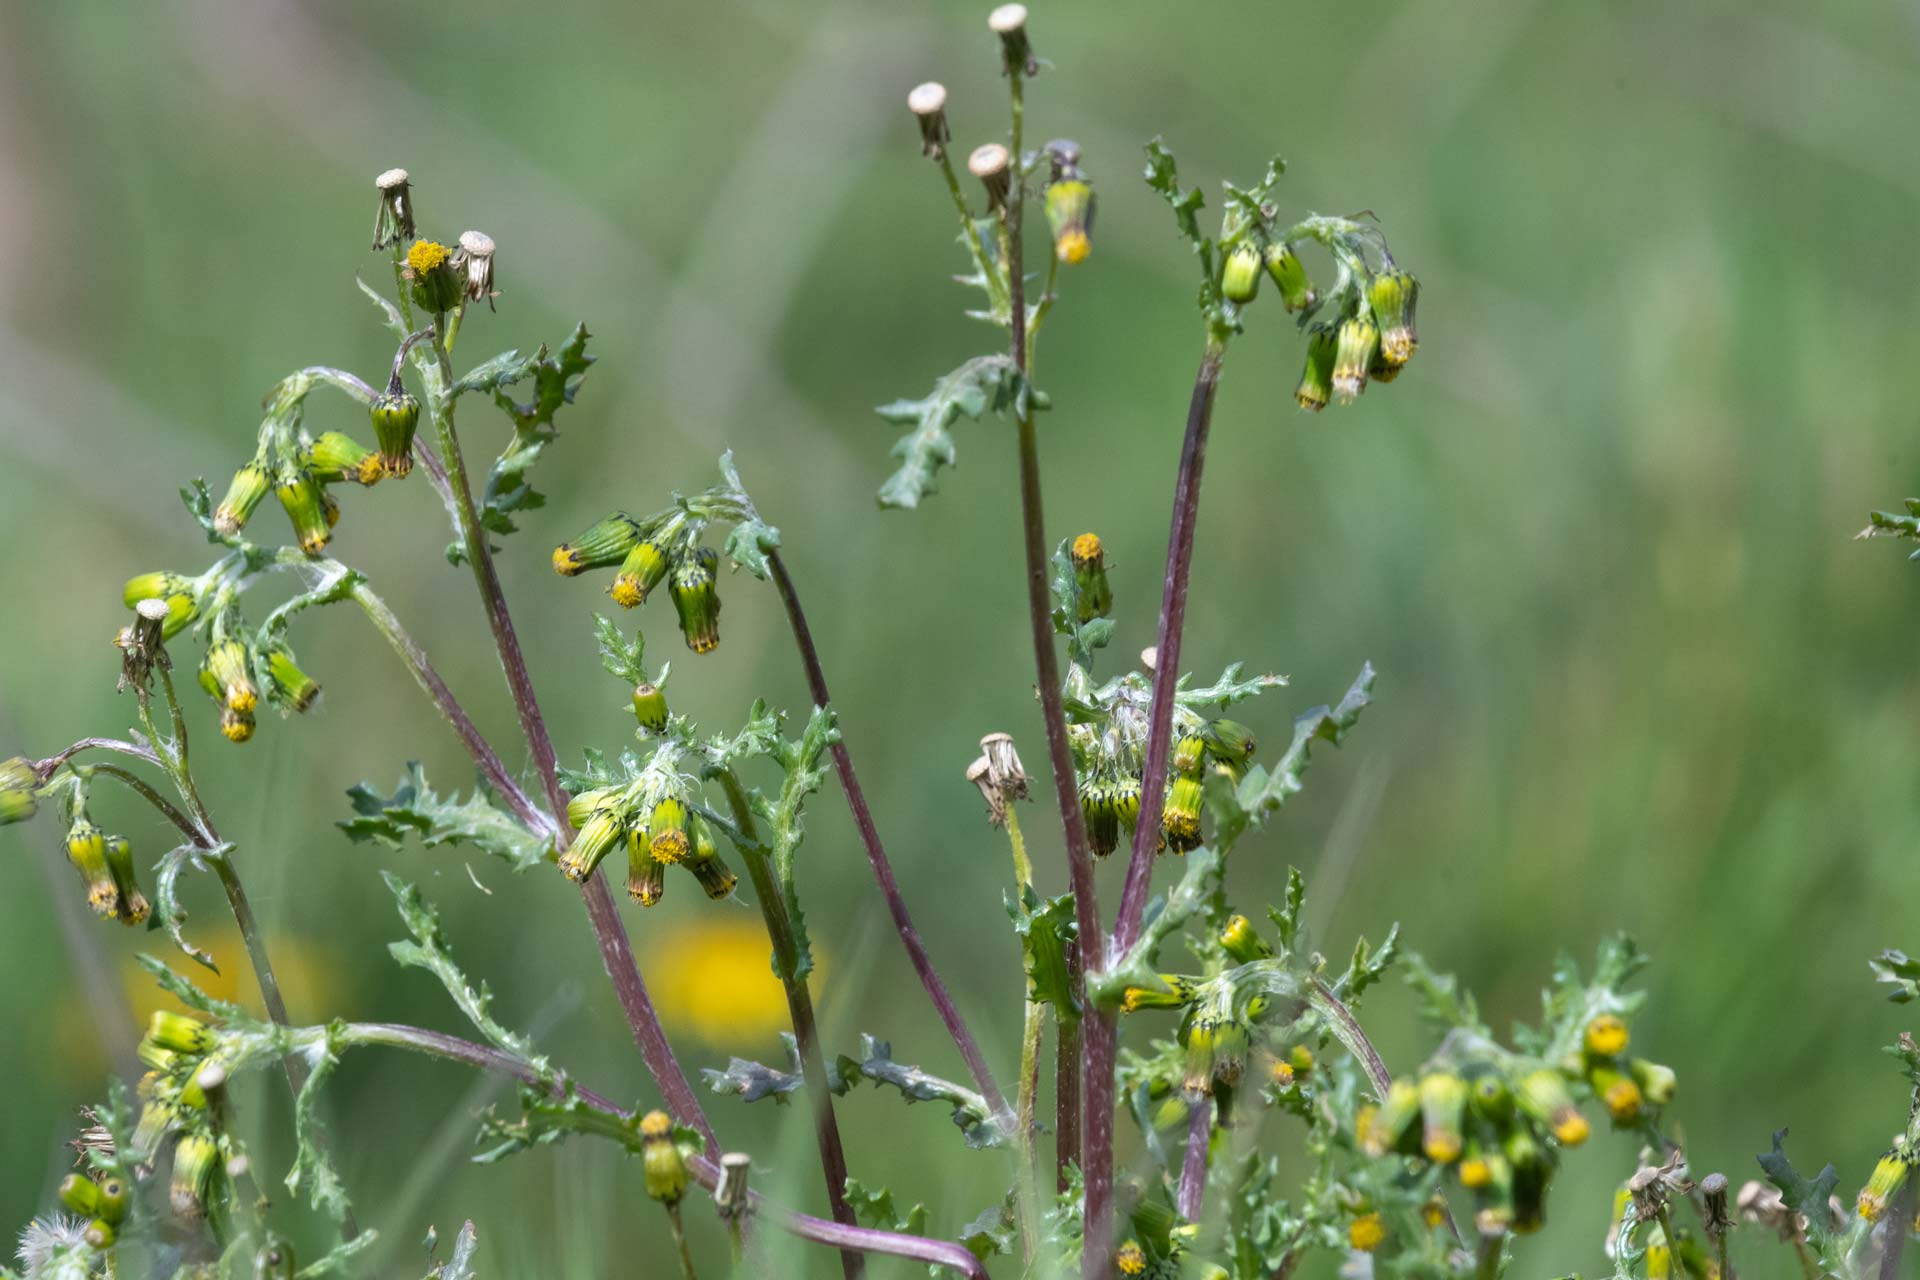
[(705, 1170), (1166, 659), (877, 859), (1193, 1170), (616, 951)]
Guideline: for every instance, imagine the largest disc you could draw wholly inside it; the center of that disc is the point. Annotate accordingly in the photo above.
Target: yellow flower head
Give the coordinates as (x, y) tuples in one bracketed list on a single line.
[(1475, 1172), (1366, 1232), (1606, 1036), (425, 255), (655, 1125), (1131, 1260), (1087, 549)]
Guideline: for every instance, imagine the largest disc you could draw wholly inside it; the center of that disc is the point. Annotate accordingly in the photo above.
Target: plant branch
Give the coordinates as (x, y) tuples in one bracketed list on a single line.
[(616, 951), (877, 858), (705, 1169), (786, 950), (1166, 654), (484, 756), (43, 769), (145, 791)]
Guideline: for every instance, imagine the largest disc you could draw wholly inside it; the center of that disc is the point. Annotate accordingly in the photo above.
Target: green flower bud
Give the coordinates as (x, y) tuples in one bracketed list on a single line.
[(1230, 740), (1243, 942), (158, 1118), (436, 284), (249, 486), (1605, 1036), (643, 569), (1544, 1096), (1070, 215), (1189, 755), (582, 806), (80, 1194), (1530, 1196), (1290, 277), (114, 1198), (87, 850), (1393, 295), (650, 707), (1098, 804), (1240, 276), (646, 874), (696, 600), (226, 675), (300, 495), (134, 907), (1090, 578), (393, 223), (1126, 801), (1490, 1096), (1617, 1092), (337, 456), (1354, 344), (100, 1234), (296, 686), (1391, 1127), (180, 1033), (17, 784), (606, 543), (1443, 1097), (182, 607), (275, 1260), (396, 416), (667, 830), (664, 1168), (1182, 820), (1656, 1081), (1493, 1198), (1216, 1049), (595, 840), (705, 862), (196, 1157), (1889, 1175), (1316, 377), (1178, 993)]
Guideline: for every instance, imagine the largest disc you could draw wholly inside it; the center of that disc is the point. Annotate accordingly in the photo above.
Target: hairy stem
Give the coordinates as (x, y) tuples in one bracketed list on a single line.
[(1066, 1085), (1193, 1169), (806, 1036), (616, 951), (1029, 1089), (1166, 659), (877, 858), (705, 1170), (484, 756), (172, 755), (680, 1243)]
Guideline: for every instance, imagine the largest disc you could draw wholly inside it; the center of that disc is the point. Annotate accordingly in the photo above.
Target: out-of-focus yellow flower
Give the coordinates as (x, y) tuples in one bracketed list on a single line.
[(308, 979), (713, 978)]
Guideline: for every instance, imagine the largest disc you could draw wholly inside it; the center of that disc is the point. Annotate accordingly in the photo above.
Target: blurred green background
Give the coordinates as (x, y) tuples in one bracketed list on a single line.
[(1633, 673)]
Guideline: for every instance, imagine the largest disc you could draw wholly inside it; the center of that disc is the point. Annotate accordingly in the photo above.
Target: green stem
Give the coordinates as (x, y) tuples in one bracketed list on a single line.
[(787, 964), (174, 757), (680, 1243), (1031, 1031)]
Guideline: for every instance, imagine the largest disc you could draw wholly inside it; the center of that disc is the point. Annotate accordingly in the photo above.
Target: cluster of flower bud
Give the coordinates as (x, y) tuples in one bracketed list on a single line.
[(105, 864), (646, 559), (439, 277), (1111, 799), (103, 1202), (188, 1067), (1498, 1122), (235, 665), (1371, 342), (666, 833)]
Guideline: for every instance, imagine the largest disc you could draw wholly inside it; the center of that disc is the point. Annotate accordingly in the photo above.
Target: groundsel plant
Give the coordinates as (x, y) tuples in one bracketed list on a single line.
[(1245, 1041)]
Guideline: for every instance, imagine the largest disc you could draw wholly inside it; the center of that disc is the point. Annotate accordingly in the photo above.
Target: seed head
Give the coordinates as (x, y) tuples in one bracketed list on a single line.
[(928, 102)]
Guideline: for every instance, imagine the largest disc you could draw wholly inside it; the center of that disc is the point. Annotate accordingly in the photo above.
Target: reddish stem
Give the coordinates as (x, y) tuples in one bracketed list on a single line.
[(882, 868)]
